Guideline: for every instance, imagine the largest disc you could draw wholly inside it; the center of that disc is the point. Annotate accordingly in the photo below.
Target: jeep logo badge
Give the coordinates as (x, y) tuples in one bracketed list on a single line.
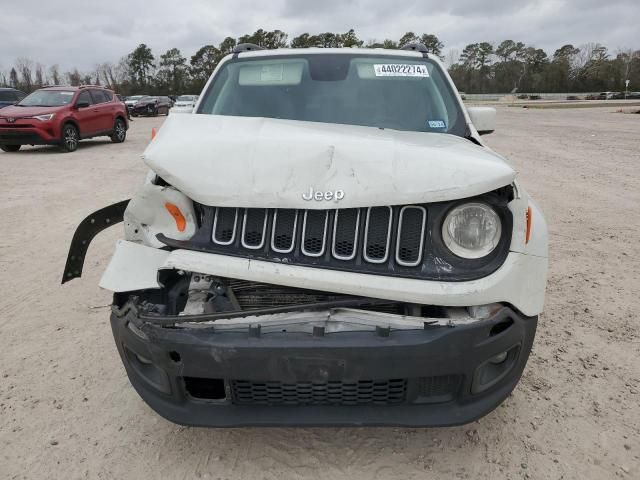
[(320, 196)]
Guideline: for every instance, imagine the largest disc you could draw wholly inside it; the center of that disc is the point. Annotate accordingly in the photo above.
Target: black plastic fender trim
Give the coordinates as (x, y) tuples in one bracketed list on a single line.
[(85, 233)]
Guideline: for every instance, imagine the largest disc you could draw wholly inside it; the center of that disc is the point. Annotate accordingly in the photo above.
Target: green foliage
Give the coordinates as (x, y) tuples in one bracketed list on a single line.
[(202, 65), (141, 65), (227, 45), (264, 39), (515, 67), (509, 66), (408, 38), (327, 40), (350, 39), (432, 43), (172, 72)]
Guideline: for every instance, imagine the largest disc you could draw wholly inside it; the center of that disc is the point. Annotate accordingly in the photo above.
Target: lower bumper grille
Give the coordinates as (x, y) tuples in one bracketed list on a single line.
[(379, 392), (17, 137), (441, 388)]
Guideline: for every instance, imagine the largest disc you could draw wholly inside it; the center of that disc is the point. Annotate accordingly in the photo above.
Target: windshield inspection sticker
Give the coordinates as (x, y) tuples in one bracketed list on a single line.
[(400, 70), (271, 73), (437, 124)]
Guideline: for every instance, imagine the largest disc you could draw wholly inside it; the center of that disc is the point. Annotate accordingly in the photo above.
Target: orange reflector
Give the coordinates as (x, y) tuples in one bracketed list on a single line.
[(175, 212), (527, 235), (153, 133)]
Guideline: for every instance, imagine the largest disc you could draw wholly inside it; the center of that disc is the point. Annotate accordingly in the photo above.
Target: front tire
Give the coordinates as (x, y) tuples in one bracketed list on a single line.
[(70, 138), (119, 131), (10, 148)]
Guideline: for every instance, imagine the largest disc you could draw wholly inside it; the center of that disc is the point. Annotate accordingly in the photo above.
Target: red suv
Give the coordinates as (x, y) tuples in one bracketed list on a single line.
[(63, 116)]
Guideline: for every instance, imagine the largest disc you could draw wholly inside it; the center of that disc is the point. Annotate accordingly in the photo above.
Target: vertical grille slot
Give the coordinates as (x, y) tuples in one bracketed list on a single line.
[(345, 234), (283, 233), (359, 239), (254, 225), (224, 226), (410, 235), (377, 234), (314, 229)]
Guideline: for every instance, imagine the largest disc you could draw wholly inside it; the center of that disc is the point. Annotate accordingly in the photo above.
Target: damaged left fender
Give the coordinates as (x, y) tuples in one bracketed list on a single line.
[(145, 216), (86, 231)]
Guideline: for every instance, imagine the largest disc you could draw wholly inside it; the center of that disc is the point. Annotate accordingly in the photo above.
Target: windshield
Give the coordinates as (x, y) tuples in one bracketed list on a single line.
[(148, 99), (383, 91), (135, 97), (47, 98), (186, 98)]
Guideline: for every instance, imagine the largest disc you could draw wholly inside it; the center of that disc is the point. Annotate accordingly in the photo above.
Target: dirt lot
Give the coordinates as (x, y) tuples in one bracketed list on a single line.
[(67, 410)]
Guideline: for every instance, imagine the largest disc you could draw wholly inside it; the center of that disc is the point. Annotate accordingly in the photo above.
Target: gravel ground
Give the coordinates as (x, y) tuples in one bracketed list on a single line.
[(67, 410)]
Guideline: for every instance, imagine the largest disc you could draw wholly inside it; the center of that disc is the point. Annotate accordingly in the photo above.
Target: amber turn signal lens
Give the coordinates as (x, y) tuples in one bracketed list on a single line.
[(527, 235), (175, 212)]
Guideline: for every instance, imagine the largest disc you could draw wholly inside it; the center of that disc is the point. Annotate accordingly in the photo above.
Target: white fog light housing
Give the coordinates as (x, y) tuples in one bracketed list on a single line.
[(472, 230)]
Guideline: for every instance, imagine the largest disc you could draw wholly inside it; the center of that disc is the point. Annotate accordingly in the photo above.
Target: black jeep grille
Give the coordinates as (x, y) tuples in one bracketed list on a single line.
[(394, 241)]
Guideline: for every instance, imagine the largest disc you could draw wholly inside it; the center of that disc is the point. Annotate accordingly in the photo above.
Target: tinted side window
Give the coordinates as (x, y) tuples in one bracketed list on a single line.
[(84, 97), (98, 96), (7, 96), (108, 95)]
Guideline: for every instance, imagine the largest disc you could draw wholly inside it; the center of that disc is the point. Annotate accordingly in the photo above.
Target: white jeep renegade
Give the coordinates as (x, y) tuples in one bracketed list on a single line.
[(325, 240)]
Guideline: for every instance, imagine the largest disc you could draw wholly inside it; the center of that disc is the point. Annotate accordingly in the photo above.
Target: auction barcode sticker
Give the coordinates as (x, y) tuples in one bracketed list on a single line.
[(400, 70)]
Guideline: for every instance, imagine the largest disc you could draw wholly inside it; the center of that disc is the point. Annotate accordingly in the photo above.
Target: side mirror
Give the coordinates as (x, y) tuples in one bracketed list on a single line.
[(483, 118), (82, 105)]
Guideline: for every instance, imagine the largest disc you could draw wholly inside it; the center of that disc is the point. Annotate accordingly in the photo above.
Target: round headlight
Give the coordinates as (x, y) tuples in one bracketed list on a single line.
[(472, 230)]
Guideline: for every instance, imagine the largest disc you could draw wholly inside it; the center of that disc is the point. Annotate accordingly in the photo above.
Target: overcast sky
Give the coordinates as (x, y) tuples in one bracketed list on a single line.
[(83, 33)]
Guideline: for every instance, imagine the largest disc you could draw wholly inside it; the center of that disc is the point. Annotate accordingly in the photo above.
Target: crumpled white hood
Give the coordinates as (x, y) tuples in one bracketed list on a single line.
[(260, 162)]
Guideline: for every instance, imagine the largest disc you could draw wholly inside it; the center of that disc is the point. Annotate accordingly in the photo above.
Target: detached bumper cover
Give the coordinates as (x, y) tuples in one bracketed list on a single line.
[(520, 281), (432, 377)]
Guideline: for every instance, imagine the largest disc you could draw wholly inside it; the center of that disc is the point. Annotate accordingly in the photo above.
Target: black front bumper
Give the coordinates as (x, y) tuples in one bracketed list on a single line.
[(9, 137), (433, 377)]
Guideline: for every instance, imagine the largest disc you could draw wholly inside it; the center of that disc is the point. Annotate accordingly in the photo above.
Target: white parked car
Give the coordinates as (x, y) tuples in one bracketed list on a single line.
[(328, 241), (185, 104)]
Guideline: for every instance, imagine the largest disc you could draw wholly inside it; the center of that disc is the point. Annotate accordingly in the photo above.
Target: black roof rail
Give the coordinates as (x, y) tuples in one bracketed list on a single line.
[(246, 47), (416, 47)]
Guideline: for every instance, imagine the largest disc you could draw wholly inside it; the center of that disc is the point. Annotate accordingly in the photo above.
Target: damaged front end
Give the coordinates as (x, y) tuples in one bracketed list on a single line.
[(215, 351), (214, 332), (246, 300)]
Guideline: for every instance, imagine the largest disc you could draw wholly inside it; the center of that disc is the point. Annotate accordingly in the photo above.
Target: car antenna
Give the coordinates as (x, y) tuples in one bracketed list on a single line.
[(246, 47), (416, 47)]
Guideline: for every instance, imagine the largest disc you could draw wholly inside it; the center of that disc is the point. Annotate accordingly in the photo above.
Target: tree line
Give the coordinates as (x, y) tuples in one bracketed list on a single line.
[(485, 67)]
